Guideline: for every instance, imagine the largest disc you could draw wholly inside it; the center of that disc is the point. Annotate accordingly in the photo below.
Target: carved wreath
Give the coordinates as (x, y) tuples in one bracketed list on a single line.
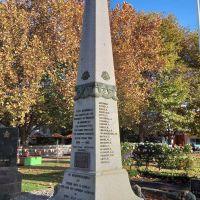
[(96, 90)]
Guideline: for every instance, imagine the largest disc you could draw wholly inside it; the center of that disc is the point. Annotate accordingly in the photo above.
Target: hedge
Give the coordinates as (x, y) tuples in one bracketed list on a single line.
[(161, 155)]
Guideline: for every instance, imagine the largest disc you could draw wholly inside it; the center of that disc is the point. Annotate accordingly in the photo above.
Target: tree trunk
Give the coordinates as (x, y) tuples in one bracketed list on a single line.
[(141, 132), (23, 135), (26, 129)]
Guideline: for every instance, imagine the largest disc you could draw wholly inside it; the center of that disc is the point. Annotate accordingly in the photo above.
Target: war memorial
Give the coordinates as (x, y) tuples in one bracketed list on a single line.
[(96, 168)]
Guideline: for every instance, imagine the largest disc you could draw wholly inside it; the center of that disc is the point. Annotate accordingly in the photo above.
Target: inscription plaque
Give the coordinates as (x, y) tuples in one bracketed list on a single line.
[(82, 160), (105, 133), (8, 147)]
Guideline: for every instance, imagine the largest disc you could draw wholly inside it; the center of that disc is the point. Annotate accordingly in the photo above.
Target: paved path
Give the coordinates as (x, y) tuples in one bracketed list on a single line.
[(37, 195)]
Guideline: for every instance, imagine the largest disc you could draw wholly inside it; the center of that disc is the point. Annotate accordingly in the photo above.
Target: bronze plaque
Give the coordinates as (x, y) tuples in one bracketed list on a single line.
[(82, 160)]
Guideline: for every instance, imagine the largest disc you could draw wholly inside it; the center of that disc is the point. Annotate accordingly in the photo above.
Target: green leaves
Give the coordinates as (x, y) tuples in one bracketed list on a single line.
[(190, 51), (163, 156), (170, 100), (172, 36)]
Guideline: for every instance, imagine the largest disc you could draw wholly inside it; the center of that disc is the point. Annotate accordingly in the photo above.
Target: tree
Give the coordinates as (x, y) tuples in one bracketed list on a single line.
[(62, 45), (137, 47), (190, 50), (191, 57), (171, 35), (39, 50), (169, 103), (194, 105), (38, 39), (19, 57)]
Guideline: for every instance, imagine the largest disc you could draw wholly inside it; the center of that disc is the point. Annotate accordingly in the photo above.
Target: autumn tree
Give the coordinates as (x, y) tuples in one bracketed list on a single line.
[(39, 51), (39, 42), (194, 103), (174, 102), (191, 57), (190, 50), (137, 55), (171, 35), (57, 25), (62, 45), (23, 63)]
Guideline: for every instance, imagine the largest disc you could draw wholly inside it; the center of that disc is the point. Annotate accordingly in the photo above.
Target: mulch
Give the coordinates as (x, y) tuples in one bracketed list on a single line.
[(156, 186)]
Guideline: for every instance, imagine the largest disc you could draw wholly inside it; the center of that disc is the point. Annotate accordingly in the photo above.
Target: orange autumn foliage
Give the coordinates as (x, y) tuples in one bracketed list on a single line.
[(42, 39), (137, 47)]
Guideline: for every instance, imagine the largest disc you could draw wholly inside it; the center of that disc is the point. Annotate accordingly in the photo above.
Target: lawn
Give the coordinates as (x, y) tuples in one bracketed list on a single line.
[(51, 172), (43, 176)]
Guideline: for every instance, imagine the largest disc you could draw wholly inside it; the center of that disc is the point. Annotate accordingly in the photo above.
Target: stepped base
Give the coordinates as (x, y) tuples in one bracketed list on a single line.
[(108, 185), (10, 181)]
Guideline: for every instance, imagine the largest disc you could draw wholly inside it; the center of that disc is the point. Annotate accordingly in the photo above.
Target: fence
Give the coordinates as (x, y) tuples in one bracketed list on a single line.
[(45, 151)]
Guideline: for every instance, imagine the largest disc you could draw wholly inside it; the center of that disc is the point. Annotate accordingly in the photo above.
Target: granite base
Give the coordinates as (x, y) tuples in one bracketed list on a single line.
[(10, 181), (106, 185)]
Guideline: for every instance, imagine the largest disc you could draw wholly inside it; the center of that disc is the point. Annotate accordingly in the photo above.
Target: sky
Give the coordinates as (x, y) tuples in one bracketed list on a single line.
[(184, 10)]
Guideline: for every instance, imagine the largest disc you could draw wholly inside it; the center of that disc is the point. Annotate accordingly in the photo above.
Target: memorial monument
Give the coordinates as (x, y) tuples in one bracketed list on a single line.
[(96, 168), (10, 178)]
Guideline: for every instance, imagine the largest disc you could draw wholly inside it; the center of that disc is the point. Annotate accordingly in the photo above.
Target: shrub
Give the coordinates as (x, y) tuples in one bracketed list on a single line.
[(127, 149), (161, 155), (177, 158), (144, 154)]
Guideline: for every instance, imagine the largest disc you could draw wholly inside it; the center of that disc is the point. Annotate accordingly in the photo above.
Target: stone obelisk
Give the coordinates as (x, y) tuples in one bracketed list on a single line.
[(96, 168)]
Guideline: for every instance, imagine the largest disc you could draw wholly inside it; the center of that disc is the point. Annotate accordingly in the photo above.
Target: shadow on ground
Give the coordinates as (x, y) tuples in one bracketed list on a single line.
[(45, 177), (57, 168), (29, 196), (55, 161)]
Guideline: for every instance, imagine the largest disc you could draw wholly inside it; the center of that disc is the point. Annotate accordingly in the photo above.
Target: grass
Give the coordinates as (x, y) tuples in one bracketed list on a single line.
[(43, 176), (51, 173)]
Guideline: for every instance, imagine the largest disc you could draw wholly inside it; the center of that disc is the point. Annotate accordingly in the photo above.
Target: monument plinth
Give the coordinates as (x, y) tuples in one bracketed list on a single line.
[(10, 178), (96, 168)]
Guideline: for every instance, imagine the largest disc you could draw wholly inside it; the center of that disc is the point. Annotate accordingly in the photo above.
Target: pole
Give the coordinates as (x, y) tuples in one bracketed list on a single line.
[(198, 10)]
